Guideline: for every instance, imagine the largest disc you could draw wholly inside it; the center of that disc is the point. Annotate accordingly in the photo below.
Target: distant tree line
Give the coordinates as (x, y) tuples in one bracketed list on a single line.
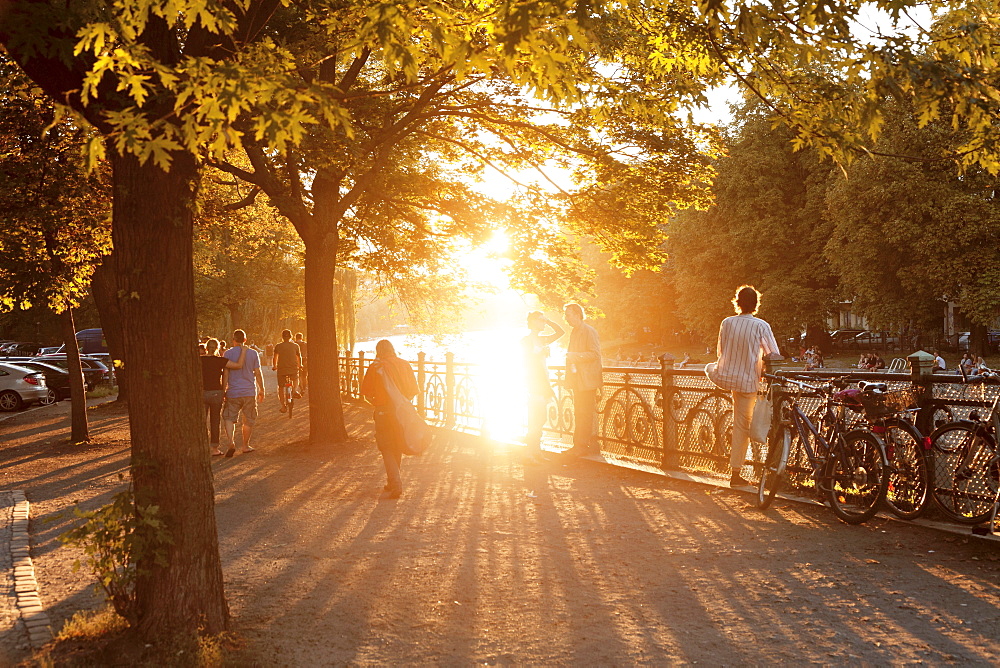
[(895, 235)]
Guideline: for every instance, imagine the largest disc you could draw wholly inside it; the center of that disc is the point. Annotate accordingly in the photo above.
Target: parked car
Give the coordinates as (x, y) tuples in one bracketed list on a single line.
[(90, 341), (56, 379), (22, 349), (992, 340), (94, 371), (868, 340), (20, 387), (844, 338)]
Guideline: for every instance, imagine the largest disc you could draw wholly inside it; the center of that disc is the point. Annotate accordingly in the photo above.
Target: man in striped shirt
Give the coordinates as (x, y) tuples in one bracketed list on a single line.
[(743, 342)]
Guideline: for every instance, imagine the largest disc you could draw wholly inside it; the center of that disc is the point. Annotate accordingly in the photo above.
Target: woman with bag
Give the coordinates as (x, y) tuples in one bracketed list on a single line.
[(536, 351), (389, 385), (743, 342), (213, 385)]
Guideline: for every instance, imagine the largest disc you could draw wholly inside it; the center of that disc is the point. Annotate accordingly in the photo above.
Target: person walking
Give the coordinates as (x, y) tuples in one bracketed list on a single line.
[(304, 369), (286, 360), (536, 353), (743, 341), (244, 390), (214, 377), (387, 381), (584, 376)]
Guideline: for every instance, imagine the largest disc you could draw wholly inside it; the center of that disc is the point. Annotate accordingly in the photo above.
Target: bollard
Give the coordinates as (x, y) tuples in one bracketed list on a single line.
[(671, 456), (922, 377), (361, 374), (449, 389), (421, 385)]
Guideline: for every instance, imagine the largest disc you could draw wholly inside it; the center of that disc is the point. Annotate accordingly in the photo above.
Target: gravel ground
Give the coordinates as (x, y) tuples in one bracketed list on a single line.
[(484, 560)]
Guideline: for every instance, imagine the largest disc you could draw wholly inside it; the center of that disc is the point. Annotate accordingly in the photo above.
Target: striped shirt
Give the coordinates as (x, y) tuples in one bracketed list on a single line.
[(743, 342)]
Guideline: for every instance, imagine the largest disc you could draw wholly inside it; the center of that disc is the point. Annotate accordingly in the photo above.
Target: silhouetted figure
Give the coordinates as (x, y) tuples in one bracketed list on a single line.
[(743, 342), (536, 353)]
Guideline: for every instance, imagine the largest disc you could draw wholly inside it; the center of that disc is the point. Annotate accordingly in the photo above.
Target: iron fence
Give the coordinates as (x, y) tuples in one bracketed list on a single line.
[(669, 418)]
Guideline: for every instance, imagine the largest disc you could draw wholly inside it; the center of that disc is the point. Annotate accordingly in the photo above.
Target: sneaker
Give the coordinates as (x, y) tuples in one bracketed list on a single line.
[(739, 481), (284, 409)]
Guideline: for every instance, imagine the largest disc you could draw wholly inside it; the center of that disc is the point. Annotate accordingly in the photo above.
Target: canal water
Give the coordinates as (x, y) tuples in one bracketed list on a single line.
[(499, 370)]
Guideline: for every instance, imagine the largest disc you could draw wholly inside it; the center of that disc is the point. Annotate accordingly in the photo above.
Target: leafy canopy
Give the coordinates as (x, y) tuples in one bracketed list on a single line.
[(54, 214), (826, 68)]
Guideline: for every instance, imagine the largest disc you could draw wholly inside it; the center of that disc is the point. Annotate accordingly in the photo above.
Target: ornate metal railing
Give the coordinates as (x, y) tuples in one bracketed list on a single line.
[(668, 418)]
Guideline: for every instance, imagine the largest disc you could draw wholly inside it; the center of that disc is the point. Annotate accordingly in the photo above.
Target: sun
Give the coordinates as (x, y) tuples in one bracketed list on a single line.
[(486, 265)]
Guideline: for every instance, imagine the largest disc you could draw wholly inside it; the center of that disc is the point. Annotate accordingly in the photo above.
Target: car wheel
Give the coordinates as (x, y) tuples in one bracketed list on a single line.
[(50, 398), (10, 400)]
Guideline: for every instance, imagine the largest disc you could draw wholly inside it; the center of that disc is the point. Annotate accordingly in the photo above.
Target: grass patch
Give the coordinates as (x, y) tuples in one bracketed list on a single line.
[(102, 391), (92, 624), (103, 638)]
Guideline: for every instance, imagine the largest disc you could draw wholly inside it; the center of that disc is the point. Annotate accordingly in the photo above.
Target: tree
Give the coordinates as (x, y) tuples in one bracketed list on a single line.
[(429, 115), (247, 263), (636, 308), (908, 235), (767, 228), (55, 222), (79, 55), (825, 69), (166, 83)]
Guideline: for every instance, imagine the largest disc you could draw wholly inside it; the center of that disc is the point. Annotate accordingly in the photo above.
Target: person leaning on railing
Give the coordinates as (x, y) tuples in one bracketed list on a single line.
[(536, 351), (743, 342), (584, 376)]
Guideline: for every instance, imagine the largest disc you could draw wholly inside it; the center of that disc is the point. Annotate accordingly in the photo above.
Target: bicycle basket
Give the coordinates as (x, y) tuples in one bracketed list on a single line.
[(901, 400)]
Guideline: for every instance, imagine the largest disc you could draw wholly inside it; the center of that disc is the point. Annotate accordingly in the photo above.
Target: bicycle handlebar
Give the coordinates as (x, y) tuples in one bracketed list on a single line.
[(822, 389)]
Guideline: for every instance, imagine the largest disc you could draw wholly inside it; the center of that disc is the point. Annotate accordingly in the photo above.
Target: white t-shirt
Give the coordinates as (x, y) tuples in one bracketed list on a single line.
[(939, 361), (743, 342)]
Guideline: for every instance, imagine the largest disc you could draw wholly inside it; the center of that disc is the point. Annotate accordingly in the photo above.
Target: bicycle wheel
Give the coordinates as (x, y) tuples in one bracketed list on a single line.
[(966, 474), (942, 416), (289, 400), (774, 469), (909, 479), (856, 478)]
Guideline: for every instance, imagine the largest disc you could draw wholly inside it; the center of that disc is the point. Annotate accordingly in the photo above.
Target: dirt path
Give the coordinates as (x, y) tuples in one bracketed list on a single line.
[(485, 560)]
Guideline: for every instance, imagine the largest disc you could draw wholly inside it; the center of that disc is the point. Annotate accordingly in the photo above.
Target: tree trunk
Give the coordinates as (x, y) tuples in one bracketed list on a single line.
[(153, 233), (80, 431), (326, 413), (104, 288), (978, 340)]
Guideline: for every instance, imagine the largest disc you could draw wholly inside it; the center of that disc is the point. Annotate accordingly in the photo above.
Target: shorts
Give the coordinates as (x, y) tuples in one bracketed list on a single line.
[(236, 405), (287, 375)]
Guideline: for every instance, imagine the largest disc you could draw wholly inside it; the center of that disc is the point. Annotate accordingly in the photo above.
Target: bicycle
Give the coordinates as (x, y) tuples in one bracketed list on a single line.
[(907, 450), (288, 394), (848, 467), (967, 463)]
